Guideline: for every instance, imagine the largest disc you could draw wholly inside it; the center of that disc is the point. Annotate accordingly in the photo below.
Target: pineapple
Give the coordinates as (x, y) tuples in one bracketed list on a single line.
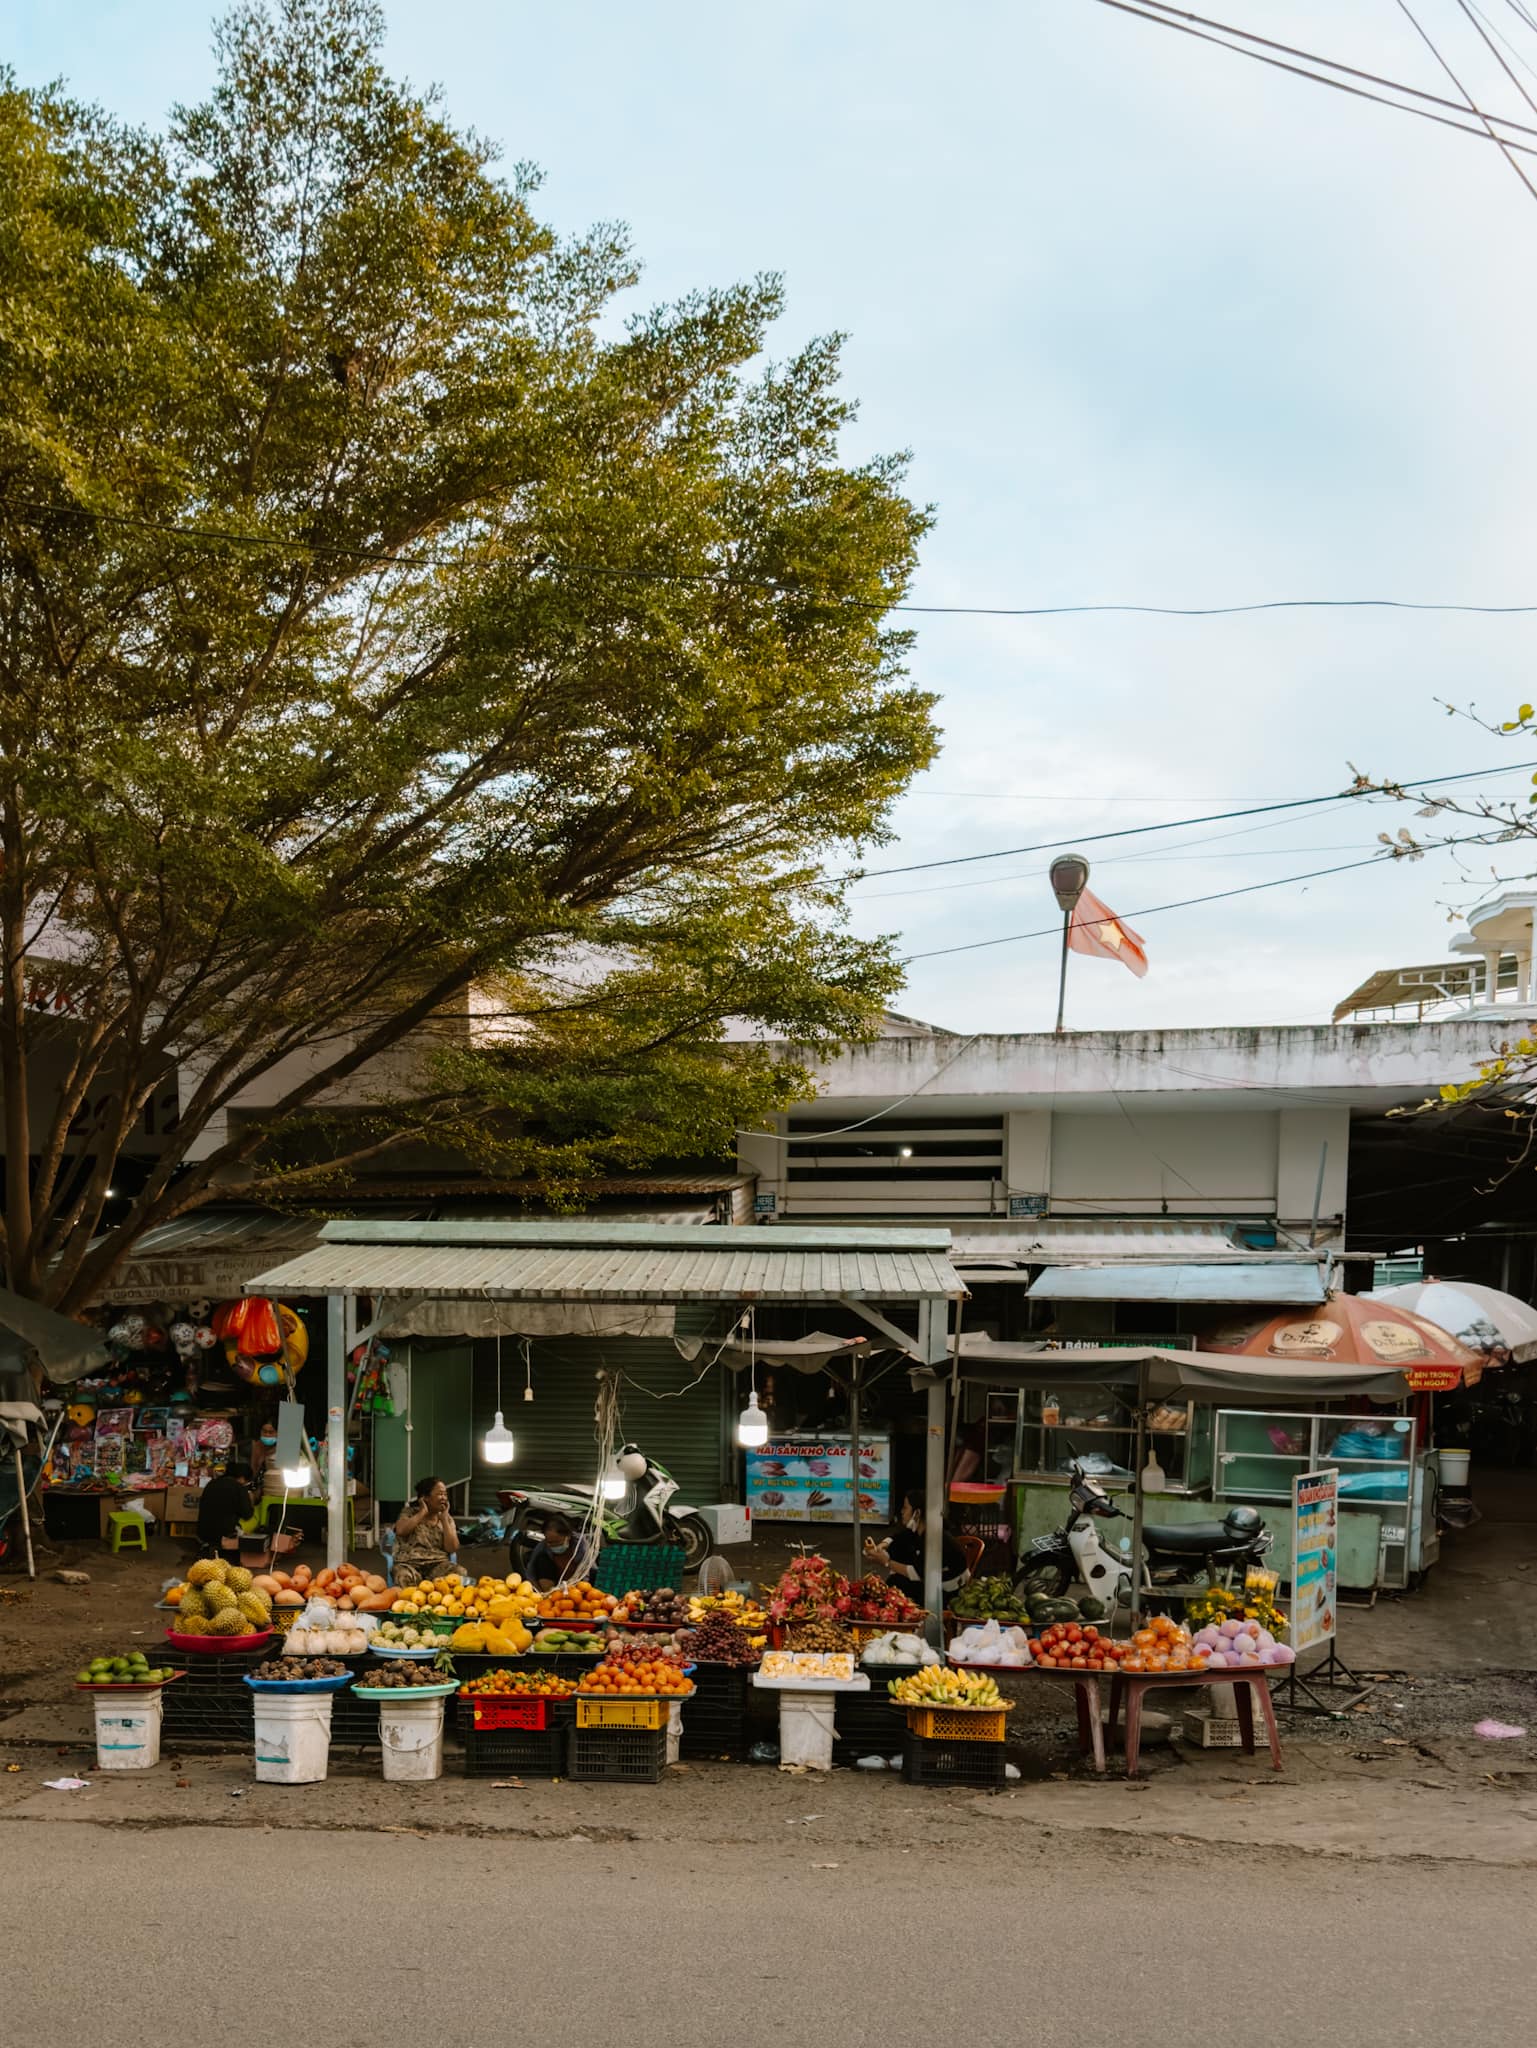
[(192, 1625), (217, 1598), (238, 1579), (192, 1603), (256, 1608), (229, 1622), (207, 1571)]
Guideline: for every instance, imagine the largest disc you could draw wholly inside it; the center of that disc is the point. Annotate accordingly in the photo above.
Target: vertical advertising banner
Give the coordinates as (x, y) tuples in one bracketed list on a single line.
[(1315, 1534)]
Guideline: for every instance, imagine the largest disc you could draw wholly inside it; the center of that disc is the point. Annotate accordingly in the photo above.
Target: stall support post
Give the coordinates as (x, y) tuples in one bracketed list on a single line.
[(336, 1429), (858, 1528), (1137, 1508), (934, 1512)]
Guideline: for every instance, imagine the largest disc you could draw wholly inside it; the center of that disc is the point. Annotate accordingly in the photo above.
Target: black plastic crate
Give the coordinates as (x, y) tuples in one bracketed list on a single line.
[(870, 1723), (515, 1752), (210, 1703), (979, 1765), (632, 1756), (714, 1721)]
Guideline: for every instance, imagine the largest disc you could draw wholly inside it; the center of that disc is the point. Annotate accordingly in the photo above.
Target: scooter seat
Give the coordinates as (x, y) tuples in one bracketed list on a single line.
[(1191, 1539)]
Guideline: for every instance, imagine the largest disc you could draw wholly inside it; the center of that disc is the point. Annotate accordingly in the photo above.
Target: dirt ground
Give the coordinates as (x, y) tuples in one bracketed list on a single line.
[(1400, 1765)]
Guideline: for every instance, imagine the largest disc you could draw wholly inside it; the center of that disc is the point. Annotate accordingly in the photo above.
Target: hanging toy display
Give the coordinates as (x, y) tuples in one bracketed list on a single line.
[(183, 1337), (126, 1334), (370, 1366), (259, 1336)]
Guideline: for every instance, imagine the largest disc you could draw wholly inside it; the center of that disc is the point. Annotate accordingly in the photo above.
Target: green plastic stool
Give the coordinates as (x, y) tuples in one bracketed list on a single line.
[(127, 1532)]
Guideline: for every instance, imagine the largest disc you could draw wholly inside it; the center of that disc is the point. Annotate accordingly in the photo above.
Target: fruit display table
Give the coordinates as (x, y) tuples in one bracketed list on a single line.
[(1248, 1685)]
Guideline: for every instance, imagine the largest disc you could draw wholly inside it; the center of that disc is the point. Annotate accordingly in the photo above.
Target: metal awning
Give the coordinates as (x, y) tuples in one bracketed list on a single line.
[(1227, 1282), (1170, 1372), (593, 1261)]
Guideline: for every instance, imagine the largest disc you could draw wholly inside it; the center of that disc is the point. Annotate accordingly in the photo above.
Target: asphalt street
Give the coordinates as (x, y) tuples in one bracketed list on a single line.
[(233, 1935)]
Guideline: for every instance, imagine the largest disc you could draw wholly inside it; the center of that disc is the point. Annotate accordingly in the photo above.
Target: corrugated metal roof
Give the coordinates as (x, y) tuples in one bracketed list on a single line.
[(1092, 1237), (618, 1262), (1270, 1281)]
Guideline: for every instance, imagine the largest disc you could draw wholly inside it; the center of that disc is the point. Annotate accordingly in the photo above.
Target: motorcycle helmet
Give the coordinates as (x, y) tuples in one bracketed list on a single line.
[(632, 1462), (1243, 1523)]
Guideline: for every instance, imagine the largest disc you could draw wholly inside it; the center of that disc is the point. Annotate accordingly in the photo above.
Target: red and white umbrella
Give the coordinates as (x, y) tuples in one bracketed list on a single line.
[(1353, 1329)]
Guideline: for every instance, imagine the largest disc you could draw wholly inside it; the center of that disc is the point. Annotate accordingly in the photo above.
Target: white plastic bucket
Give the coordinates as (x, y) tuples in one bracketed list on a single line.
[(806, 1729), (293, 1737), (674, 1732), (1454, 1467), (127, 1730), (411, 1736)]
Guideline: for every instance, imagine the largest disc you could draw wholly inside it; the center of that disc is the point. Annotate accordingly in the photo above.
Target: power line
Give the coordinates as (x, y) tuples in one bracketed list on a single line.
[(1506, 148), (1303, 803), (365, 557), (1157, 909), (1240, 43)]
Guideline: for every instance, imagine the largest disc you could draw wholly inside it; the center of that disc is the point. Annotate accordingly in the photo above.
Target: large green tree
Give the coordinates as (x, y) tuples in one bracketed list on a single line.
[(388, 624)]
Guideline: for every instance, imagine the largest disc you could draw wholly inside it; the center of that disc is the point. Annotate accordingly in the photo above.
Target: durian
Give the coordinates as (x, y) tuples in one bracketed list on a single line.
[(206, 1571), (256, 1608), (229, 1622), (191, 1624), (216, 1598), (191, 1602), (238, 1579)]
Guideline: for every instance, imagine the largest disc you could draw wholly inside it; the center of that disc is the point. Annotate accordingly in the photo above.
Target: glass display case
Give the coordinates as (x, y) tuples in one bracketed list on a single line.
[(1096, 1426), (1381, 1479)]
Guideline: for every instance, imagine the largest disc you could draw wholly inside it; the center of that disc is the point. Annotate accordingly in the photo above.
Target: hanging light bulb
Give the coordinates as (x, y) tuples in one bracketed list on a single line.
[(752, 1427), (528, 1370), (296, 1477), (497, 1446), (613, 1481)]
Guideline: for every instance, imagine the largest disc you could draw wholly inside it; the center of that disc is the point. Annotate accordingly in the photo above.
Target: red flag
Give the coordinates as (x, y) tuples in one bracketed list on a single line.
[(1096, 929)]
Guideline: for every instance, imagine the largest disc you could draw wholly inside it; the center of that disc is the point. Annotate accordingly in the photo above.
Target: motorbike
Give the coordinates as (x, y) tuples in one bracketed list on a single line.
[(648, 1512), (1178, 1558)]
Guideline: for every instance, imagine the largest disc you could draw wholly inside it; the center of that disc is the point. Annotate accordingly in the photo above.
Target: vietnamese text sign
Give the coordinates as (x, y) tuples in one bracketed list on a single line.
[(1315, 1531), (807, 1479)]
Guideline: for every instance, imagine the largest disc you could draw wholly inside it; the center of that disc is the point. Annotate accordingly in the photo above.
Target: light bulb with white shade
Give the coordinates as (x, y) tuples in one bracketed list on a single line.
[(296, 1477), (497, 1445), (752, 1429), (612, 1484)]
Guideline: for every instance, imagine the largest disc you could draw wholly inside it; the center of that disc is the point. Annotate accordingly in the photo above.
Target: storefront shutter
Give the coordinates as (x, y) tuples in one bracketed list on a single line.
[(554, 1433)]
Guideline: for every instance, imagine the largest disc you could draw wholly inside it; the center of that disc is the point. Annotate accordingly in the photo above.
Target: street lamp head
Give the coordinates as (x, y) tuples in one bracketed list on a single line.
[(1069, 879)]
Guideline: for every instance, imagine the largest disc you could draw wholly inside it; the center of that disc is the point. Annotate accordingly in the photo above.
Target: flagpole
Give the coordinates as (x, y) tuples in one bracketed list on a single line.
[(1069, 879)]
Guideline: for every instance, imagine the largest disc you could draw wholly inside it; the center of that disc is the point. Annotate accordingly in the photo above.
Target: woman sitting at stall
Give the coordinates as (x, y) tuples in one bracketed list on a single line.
[(556, 1556), (900, 1557), (426, 1538)]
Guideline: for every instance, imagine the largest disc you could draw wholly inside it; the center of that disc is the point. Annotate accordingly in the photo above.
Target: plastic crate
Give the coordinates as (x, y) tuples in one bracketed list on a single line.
[(958, 1724), (515, 1752), (977, 1765), (597, 1712), (210, 1705), (715, 1719), (866, 1723), (492, 1711), (638, 1567), (619, 1755)]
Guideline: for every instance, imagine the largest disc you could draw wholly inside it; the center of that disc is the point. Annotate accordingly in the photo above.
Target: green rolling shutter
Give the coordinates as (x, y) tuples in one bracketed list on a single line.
[(554, 1433)]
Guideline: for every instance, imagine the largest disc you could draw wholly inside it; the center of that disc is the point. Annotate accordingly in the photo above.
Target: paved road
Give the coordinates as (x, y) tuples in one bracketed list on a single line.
[(209, 1934)]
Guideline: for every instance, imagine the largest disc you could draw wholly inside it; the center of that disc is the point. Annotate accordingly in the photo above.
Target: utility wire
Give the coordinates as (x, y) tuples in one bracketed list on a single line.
[(1157, 909), (1303, 803), (365, 557), (1421, 104), (1430, 44)]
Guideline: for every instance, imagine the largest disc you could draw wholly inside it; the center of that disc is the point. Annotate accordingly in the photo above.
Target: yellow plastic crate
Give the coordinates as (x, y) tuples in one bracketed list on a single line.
[(958, 1724), (614, 1713)]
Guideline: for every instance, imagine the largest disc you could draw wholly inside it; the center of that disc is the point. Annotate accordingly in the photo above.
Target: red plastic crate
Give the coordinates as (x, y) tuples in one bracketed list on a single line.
[(489, 1712)]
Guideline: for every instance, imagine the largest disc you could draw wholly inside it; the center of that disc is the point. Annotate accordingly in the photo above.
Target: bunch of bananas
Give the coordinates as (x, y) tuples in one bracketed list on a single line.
[(745, 1612), (935, 1686)]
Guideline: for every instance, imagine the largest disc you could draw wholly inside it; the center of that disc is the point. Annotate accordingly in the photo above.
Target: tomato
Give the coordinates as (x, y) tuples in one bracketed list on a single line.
[(1079, 1663), (1046, 1663), (1091, 1635), (1074, 1633)]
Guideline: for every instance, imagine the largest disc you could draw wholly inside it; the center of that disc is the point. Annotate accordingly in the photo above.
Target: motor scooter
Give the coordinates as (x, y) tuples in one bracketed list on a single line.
[(648, 1512), (1179, 1559)]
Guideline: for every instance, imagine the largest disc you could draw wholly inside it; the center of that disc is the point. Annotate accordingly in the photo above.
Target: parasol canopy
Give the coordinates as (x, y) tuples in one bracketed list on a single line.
[(1486, 1319), (1351, 1329)]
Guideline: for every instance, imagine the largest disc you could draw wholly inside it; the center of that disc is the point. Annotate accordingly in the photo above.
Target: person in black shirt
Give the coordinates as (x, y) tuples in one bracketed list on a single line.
[(226, 1503), (900, 1557)]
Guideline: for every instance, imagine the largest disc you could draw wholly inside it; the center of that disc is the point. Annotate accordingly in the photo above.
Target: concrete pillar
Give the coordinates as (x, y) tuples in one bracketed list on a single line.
[(1492, 974)]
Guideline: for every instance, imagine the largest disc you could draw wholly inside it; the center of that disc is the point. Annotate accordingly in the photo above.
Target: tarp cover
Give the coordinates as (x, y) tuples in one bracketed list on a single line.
[(1171, 1373)]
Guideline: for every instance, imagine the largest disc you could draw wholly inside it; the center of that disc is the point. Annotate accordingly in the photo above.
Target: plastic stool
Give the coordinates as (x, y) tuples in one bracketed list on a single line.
[(127, 1532)]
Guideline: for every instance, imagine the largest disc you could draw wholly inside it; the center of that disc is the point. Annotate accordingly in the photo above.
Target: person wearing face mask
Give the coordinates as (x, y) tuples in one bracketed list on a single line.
[(900, 1557), (555, 1555)]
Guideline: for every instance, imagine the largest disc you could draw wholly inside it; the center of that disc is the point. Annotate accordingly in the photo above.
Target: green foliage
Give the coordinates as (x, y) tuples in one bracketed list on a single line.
[(389, 635)]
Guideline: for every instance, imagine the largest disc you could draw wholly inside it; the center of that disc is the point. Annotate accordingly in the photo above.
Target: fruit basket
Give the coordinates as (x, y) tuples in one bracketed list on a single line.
[(959, 1724), (421, 1653), (117, 1685), (219, 1646), (628, 1710), (405, 1692), (533, 1713)]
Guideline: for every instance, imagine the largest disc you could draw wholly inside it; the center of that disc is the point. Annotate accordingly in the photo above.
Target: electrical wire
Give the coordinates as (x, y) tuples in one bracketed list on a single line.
[(1506, 149), (1158, 909), (1218, 32), (1302, 803), (370, 558)]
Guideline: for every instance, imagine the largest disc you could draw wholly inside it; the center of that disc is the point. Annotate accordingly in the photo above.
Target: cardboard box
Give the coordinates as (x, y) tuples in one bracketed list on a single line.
[(728, 1522), (183, 1502)]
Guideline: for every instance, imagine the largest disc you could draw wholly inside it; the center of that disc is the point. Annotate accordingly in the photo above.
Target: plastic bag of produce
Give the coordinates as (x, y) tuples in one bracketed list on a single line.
[(912, 1650), (317, 1613), (883, 1650)]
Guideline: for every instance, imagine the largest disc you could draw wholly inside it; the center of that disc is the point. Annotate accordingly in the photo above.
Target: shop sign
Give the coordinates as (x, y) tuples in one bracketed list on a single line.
[(1315, 1553), (764, 1205), (1027, 1205), (808, 1479), (1433, 1379)]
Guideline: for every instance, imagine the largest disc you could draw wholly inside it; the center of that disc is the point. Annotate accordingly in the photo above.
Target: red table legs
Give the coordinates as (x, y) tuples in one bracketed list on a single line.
[(1243, 1701), (1267, 1708)]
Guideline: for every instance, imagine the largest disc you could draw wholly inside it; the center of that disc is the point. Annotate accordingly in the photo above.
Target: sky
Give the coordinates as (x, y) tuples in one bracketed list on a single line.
[(1159, 326)]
